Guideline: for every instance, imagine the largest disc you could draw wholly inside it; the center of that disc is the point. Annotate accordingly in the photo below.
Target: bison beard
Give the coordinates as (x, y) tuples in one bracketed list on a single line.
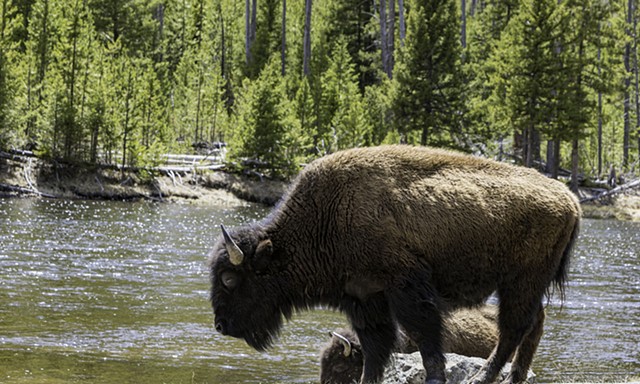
[(399, 235)]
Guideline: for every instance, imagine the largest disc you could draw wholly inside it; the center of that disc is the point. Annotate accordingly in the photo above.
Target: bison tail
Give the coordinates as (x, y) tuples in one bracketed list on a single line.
[(561, 276)]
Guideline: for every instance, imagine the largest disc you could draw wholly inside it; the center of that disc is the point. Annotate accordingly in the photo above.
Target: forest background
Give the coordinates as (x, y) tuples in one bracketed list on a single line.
[(545, 83)]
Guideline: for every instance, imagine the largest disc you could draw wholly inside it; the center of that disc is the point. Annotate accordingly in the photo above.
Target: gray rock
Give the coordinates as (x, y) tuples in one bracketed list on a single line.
[(408, 369)]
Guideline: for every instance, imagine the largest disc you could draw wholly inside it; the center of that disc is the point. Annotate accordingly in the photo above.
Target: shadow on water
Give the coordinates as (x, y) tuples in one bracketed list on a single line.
[(108, 292)]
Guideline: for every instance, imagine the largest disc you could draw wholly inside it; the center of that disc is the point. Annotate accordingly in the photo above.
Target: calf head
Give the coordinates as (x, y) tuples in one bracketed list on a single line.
[(341, 361)]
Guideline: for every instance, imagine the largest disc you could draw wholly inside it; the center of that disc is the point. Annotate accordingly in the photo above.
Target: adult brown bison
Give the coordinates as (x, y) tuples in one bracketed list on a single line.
[(400, 235), (466, 331)]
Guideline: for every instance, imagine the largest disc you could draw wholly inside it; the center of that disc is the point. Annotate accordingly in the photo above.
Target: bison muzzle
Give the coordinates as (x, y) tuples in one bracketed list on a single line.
[(399, 236)]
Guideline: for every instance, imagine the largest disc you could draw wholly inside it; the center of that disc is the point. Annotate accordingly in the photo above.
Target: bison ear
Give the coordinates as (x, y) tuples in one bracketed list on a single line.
[(263, 255)]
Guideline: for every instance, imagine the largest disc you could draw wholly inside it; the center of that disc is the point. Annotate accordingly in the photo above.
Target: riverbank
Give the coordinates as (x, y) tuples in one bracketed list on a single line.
[(27, 176)]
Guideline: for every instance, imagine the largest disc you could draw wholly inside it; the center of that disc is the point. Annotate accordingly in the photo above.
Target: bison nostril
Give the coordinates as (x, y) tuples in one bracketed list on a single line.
[(220, 326)]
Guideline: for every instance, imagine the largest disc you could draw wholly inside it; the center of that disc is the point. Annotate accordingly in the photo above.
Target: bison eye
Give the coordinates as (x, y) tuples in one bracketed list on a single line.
[(229, 279)]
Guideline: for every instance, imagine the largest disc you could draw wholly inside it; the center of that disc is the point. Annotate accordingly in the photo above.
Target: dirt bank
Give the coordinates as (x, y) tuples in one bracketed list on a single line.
[(27, 176)]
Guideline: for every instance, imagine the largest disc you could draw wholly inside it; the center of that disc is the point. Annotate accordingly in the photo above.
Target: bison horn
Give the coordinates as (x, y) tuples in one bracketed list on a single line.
[(345, 343), (235, 253)]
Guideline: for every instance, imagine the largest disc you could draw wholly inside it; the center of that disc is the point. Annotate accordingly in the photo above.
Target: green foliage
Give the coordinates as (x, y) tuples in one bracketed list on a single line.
[(428, 84), (261, 122), (121, 81), (8, 71)]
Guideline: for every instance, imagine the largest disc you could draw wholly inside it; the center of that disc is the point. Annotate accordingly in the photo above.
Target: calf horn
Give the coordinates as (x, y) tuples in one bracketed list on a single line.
[(235, 253), (345, 343)]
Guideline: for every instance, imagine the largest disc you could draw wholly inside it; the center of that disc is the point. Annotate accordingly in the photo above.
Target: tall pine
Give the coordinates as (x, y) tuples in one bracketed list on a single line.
[(428, 83)]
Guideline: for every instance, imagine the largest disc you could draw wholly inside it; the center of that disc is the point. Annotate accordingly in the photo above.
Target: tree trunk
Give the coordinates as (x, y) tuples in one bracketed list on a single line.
[(627, 85), (550, 158), (474, 5), (159, 17), (553, 157), (402, 25), (247, 31), (254, 16), (391, 37), (635, 72), (463, 22), (307, 39), (574, 166), (599, 138), (384, 48), (283, 49), (528, 146)]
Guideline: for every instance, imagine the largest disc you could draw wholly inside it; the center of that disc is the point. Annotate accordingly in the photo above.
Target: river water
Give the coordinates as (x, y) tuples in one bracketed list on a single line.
[(110, 292)]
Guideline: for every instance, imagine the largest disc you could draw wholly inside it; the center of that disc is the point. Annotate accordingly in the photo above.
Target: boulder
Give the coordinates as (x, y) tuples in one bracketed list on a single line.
[(408, 369)]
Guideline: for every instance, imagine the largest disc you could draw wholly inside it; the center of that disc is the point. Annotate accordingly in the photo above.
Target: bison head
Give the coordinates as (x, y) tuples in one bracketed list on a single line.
[(246, 287), (341, 361)]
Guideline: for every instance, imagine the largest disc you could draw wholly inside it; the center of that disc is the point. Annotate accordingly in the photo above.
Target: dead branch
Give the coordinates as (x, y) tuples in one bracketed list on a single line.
[(614, 191)]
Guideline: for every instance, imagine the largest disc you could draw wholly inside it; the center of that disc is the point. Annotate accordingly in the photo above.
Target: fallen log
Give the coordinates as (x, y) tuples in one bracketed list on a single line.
[(614, 191), (24, 191)]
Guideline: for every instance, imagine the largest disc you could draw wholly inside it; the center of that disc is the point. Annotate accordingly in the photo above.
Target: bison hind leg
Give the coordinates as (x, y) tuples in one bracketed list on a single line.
[(526, 350), (416, 308), (520, 323)]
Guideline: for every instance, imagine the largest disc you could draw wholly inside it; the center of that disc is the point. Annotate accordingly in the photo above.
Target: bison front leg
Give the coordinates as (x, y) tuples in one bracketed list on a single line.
[(415, 306), (376, 330)]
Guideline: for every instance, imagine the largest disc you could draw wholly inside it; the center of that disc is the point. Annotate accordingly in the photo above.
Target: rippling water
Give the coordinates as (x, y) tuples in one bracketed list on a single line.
[(108, 292)]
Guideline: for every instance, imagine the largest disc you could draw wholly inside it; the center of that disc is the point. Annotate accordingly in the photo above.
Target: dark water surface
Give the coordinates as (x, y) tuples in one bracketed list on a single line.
[(108, 292)]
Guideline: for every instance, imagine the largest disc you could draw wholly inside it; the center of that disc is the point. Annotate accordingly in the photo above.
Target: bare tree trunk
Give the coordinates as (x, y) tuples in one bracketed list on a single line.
[(247, 31), (528, 145), (574, 165), (384, 48), (251, 9), (158, 15), (223, 45), (550, 157), (463, 22), (391, 24), (307, 39), (283, 49), (553, 157), (627, 97), (599, 109), (635, 71), (474, 5), (254, 16), (401, 21)]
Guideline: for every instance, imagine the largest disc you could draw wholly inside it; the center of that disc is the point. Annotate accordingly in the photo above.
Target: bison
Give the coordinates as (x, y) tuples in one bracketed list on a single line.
[(469, 332), (399, 236)]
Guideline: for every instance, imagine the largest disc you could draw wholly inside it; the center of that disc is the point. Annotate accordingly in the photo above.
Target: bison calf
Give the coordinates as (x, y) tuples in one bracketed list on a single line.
[(469, 332), (399, 235)]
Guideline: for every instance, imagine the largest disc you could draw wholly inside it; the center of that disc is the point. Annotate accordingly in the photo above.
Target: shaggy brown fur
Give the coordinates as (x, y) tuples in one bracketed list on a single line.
[(399, 235), (467, 331)]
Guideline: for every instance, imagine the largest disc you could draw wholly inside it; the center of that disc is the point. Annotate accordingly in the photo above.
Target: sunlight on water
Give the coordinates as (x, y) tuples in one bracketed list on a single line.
[(107, 292)]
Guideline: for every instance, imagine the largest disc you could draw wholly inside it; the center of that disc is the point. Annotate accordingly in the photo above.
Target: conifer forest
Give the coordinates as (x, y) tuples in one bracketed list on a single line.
[(552, 84)]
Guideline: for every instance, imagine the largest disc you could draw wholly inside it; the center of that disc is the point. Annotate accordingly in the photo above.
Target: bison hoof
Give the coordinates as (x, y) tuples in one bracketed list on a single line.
[(434, 381), (514, 377), (478, 378)]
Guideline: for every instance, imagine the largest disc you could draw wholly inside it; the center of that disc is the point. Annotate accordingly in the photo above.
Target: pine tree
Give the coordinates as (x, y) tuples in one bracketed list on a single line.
[(526, 73), (428, 84), (8, 57), (485, 26), (261, 128), (342, 104)]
